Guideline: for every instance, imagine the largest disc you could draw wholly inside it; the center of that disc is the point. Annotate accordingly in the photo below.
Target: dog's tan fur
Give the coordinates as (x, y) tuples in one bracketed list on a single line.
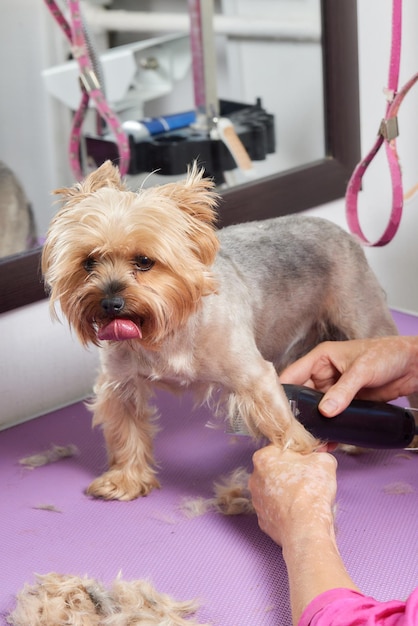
[(66, 600), (221, 313)]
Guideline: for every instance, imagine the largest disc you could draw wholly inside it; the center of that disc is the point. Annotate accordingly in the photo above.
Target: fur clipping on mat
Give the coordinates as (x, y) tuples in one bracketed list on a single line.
[(231, 497), (64, 600), (398, 488), (55, 453)]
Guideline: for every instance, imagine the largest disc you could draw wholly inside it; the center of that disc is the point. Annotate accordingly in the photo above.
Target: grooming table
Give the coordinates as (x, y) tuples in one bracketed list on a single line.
[(227, 563)]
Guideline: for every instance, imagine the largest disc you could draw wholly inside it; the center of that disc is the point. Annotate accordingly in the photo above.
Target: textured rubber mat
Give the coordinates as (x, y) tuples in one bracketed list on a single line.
[(234, 570)]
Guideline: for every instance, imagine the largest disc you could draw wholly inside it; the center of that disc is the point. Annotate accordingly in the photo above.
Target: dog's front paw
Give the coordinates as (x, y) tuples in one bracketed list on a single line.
[(117, 484)]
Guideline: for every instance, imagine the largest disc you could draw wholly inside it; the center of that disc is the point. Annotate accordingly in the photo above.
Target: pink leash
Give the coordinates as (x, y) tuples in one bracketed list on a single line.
[(388, 132), (90, 87)]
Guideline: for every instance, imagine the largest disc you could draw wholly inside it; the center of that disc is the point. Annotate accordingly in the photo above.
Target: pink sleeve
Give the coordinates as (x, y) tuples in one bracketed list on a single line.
[(344, 607)]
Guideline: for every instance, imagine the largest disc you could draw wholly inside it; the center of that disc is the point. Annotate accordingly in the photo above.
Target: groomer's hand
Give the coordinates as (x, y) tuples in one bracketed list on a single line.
[(293, 494), (382, 368)]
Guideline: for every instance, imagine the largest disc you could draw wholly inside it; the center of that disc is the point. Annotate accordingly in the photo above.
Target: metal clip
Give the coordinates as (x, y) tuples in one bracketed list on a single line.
[(237, 426), (389, 128), (89, 80), (294, 407)]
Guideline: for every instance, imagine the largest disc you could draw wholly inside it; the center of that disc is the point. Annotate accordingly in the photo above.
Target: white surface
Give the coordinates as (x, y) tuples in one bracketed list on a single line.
[(42, 367), (128, 86)]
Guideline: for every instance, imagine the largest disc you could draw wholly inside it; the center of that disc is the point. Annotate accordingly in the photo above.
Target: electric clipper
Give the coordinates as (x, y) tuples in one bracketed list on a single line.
[(363, 423)]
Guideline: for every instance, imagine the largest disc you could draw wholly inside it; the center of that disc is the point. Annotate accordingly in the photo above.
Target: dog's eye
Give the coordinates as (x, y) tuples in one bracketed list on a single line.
[(89, 264), (143, 263)]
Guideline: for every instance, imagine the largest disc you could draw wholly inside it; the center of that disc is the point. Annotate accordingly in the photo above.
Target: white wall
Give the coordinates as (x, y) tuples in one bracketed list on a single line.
[(395, 264), (42, 366)]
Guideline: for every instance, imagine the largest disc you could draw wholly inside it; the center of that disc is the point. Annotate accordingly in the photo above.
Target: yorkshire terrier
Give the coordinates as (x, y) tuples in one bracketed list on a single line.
[(174, 303)]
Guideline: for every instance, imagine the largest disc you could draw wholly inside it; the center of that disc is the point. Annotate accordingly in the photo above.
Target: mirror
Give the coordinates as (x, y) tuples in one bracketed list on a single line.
[(263, 73), (310, 184)]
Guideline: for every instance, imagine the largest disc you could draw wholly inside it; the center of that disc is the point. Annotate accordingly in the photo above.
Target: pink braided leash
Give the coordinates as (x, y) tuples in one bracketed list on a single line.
[(388, 132), (90, 86)]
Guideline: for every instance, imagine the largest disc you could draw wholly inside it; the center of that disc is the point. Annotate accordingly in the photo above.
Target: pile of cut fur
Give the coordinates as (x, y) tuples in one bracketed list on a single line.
[(231, 497), (64, 600)]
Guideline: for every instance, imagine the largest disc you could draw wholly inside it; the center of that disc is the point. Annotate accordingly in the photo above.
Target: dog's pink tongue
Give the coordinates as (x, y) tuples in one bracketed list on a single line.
[(119, 329)]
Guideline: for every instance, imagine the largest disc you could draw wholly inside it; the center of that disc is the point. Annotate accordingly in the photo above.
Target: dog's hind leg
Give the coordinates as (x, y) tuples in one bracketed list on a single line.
[(356, 304)]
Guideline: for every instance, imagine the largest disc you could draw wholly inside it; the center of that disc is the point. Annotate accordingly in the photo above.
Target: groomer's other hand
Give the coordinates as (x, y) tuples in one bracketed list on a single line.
[(382, 368)]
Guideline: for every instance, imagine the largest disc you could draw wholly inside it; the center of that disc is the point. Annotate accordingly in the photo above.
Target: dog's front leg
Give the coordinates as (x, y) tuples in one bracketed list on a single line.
[(261, 402), (128, 428)]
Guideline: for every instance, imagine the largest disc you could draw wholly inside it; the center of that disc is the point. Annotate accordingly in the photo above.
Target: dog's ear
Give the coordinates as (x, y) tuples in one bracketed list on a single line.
[(107, 175), (195, 195)]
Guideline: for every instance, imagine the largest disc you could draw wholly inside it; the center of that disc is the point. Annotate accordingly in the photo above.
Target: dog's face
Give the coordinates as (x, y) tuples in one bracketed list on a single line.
[(131, 265)]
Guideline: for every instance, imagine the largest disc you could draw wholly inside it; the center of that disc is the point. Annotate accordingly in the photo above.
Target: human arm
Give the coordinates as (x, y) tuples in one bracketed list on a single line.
[(293, 495), (381, 368)]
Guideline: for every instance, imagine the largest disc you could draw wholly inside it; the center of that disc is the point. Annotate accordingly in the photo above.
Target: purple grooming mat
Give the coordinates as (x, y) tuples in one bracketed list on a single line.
[(227, 563)]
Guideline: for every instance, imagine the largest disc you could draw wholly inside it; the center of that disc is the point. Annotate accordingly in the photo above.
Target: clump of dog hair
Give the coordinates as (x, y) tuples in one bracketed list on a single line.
[(398, 488), (47, 507), (231, 497), (55, 453), (65, 600), (351, 450)]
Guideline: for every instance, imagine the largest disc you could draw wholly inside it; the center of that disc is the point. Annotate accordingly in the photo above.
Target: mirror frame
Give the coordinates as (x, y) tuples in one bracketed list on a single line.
[(279, 194)]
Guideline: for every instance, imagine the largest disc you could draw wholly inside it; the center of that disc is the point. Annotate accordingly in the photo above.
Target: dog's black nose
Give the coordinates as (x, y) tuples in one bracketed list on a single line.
[(113, 305)]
